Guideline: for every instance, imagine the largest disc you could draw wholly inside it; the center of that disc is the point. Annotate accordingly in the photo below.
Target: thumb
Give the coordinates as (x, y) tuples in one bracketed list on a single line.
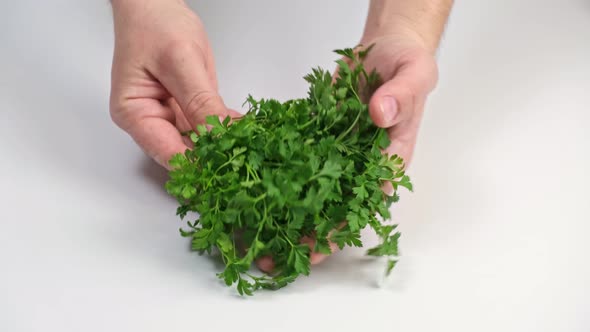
[(396, 100), (183, 72)]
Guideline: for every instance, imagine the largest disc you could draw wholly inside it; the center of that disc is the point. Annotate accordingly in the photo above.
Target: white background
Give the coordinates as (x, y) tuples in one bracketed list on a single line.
[(495, 237)]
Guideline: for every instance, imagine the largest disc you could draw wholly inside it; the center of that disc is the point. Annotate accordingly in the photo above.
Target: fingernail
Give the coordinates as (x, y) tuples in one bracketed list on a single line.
[(388, 109), (161, 161)]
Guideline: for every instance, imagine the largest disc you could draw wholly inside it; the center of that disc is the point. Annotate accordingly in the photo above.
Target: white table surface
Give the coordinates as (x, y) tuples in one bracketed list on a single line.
[(495, 237)]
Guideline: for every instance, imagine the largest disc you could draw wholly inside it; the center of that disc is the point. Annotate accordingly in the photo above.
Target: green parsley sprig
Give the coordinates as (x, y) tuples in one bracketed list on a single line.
[(287, 170)]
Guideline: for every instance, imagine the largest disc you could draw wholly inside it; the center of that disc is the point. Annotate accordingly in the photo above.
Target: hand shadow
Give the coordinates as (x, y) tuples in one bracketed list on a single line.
[(154, 174)]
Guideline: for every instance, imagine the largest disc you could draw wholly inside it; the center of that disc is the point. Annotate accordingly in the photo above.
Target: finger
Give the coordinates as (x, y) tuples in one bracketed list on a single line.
[(400, 147), (180, 120), (182, 70), (317, 257), (403, 140), (403, 147), (149, 123), (265, 264), (395, 101), (182, 124), (404, 135), (211, 68)]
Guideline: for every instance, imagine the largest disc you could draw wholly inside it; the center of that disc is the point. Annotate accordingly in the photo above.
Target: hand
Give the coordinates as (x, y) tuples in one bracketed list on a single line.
[(266, 263), (163, 75), (409, 73)]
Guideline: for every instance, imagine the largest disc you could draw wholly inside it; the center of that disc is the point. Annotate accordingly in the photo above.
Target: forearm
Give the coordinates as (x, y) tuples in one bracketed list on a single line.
[(424, 19), (131, 6)]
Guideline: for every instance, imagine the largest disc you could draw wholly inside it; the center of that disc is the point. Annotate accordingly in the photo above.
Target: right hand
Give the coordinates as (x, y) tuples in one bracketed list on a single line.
[(163, 75)]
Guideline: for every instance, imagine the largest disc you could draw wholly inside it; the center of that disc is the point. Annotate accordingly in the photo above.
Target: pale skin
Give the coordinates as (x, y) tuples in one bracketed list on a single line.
[(164, 80)]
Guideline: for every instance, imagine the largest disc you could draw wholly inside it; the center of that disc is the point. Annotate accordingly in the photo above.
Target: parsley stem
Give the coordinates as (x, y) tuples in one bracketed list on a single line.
[(259, 198), (308, 123), (218, 169), (355, 94), (356, 120), (252, 172), (283, 231)]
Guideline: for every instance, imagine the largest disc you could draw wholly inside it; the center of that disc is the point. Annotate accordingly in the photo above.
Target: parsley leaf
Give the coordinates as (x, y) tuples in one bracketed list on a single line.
[(286, 170)]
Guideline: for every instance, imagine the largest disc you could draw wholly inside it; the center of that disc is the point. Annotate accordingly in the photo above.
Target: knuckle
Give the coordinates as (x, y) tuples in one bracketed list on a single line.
[(408, 98), (429, 77), (202, 103), (178, 51), (432, 73), (120, 115), (435, 76), (116, 112), (423, 68)]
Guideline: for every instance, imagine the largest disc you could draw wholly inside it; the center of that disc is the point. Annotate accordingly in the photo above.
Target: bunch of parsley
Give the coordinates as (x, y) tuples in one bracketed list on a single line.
[(287, 170)]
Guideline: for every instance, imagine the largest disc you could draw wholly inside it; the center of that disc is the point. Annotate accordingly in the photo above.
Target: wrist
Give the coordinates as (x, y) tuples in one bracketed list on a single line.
[(401, 31), (417, 21), (135, 5)]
